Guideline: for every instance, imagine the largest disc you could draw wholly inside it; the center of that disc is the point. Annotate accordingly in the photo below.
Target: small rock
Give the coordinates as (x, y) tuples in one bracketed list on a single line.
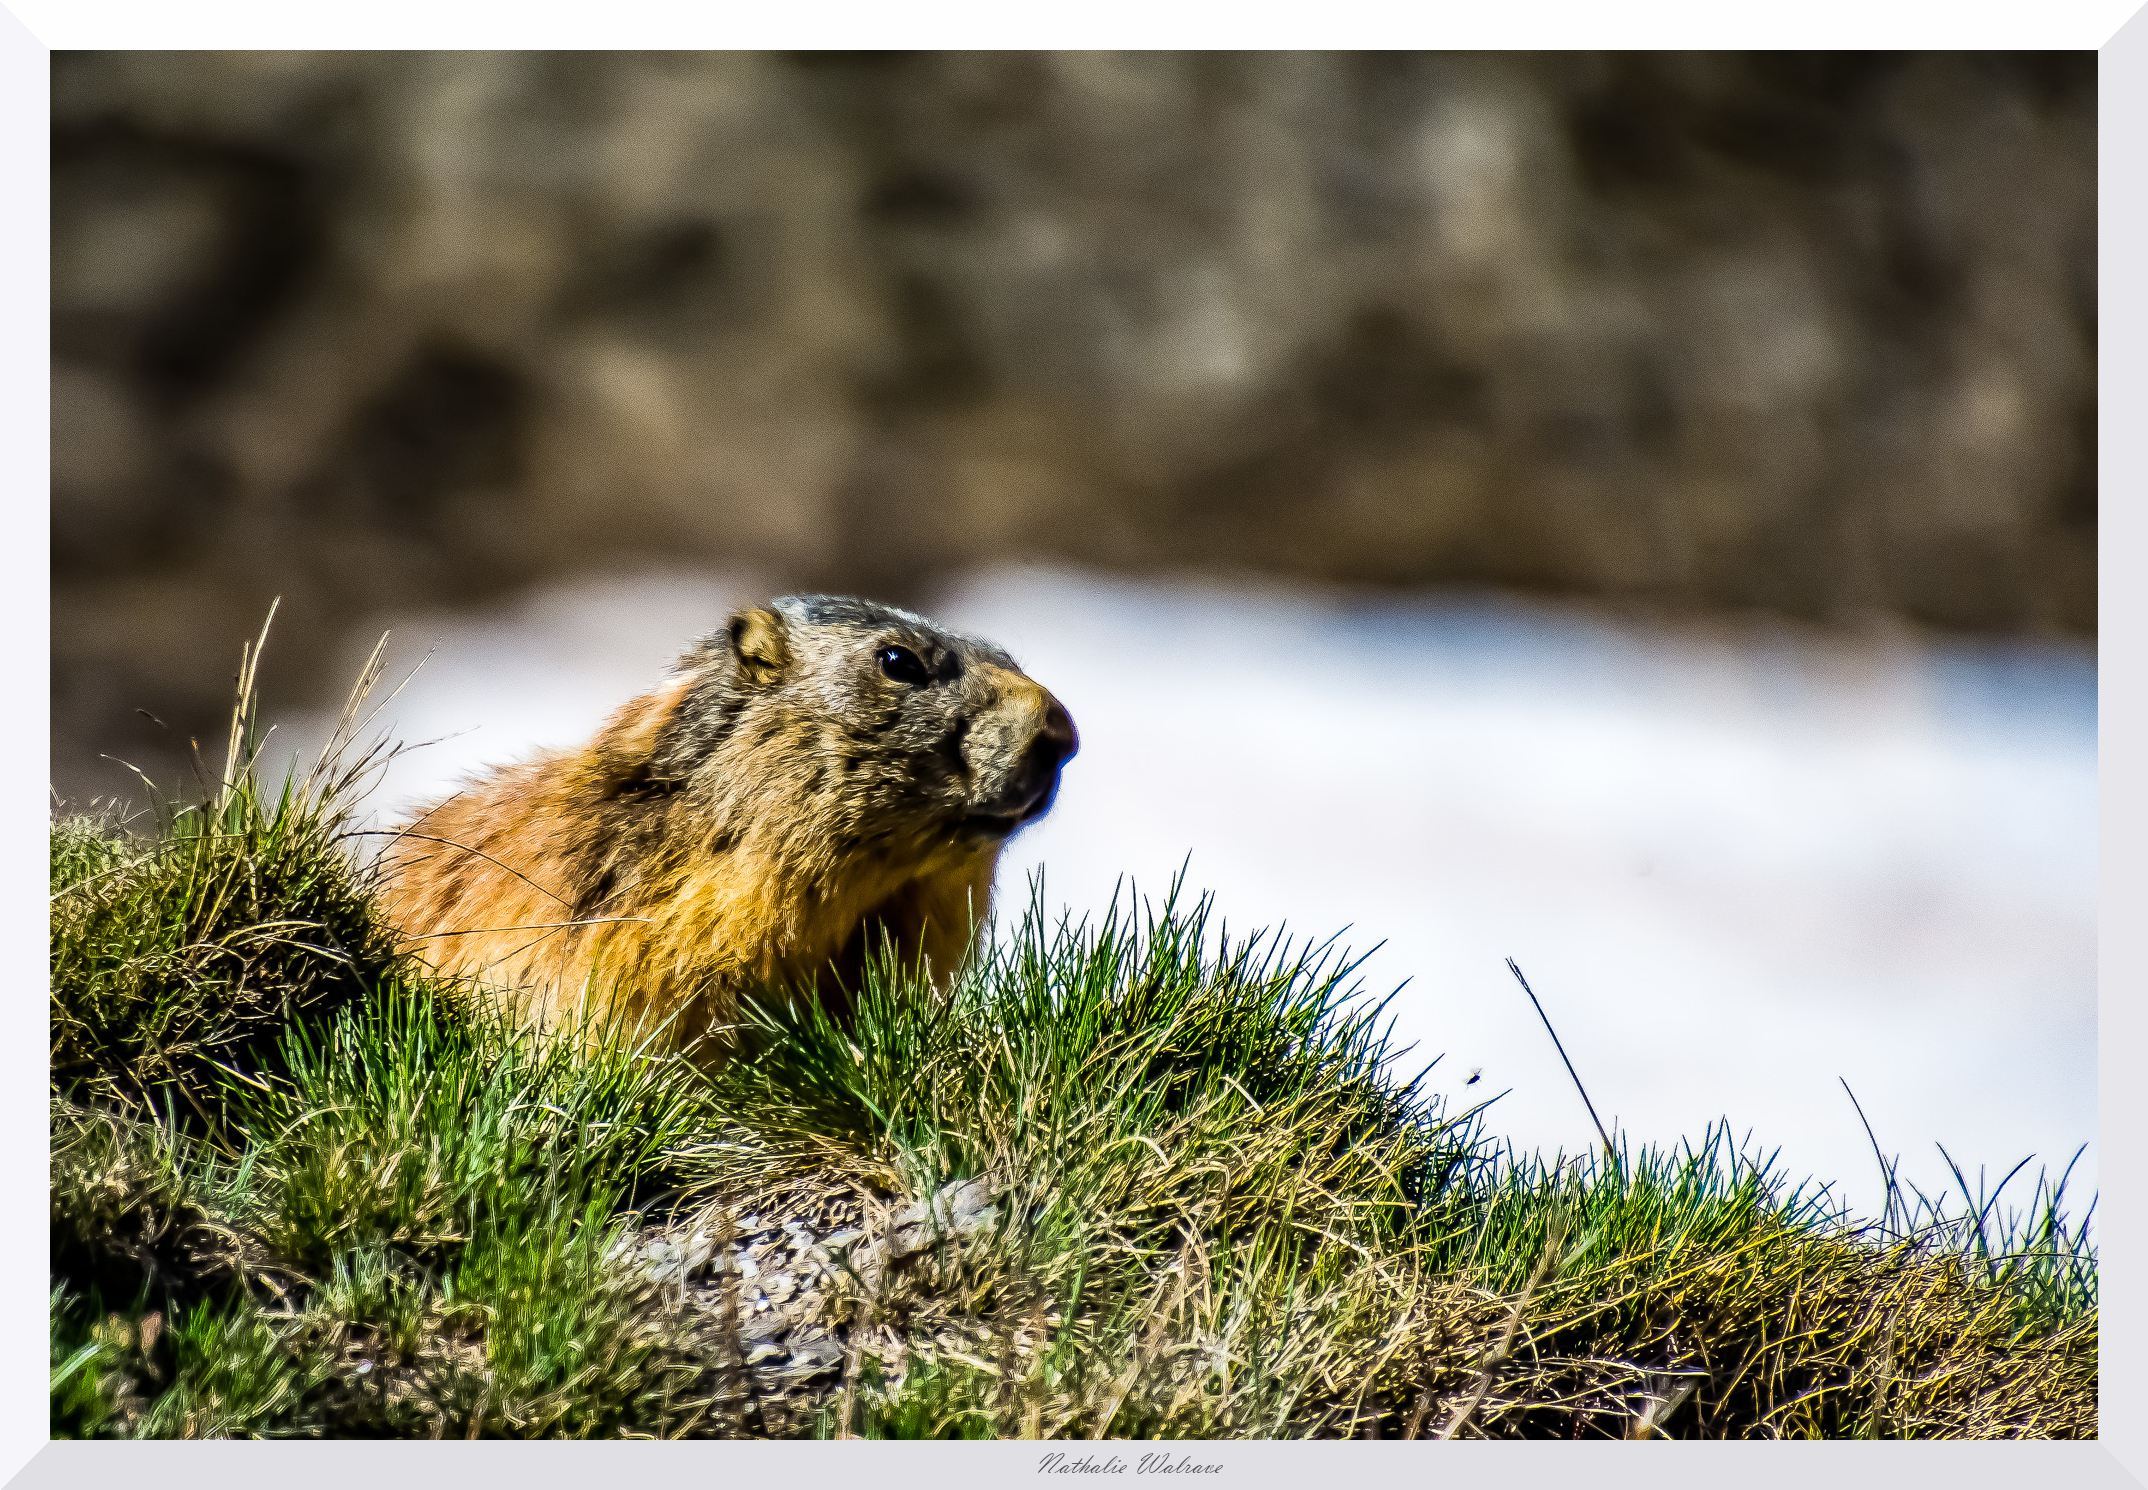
[(967, 1207), (760, 1329), (765, 1350), (817, 1345), (812, 1357)]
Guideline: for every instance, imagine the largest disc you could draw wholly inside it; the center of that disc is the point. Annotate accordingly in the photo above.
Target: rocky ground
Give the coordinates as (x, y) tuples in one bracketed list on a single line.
[(780, 1299)]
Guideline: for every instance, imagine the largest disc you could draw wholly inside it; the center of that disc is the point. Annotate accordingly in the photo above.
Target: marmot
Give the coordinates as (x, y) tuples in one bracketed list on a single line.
[(821, 773)]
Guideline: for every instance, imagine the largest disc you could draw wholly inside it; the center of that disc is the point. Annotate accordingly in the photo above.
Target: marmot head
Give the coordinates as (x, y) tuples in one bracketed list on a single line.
[(860, 725)]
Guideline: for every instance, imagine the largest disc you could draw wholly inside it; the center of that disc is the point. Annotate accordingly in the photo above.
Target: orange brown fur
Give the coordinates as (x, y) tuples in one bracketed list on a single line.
[(758, 822)]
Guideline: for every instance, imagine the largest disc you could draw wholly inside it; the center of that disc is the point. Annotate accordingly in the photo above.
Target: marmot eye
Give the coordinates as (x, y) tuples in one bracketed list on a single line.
[(904, 666)]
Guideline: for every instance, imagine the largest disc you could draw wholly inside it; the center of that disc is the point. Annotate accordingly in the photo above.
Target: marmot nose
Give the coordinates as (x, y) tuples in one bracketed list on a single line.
[(1048, 749), (1056, 739)]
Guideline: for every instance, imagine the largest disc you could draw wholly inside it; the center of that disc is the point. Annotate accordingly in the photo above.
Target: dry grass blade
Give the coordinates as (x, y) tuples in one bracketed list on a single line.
[(1160, 1317), (1610, 1149), (238, 754), (1663, 1400), (1555, 1237)]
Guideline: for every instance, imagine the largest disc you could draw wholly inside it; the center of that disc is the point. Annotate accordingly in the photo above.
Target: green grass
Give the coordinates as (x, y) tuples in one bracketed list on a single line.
[(300, 1190), (183, 953), (1227, 1215)]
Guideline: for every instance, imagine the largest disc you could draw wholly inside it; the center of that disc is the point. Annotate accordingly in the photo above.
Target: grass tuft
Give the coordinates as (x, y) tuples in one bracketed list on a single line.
[(181, 954)]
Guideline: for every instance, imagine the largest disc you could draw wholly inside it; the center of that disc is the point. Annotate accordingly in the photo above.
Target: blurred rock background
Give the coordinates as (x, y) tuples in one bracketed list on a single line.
[(1808, 335)]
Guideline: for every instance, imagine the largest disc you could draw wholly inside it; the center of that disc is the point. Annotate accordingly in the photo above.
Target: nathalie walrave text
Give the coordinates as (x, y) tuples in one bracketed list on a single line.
[(1113, 1464)]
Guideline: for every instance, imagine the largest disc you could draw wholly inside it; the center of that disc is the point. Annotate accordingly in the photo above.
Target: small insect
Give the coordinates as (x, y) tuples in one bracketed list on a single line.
[(1476, 1074)]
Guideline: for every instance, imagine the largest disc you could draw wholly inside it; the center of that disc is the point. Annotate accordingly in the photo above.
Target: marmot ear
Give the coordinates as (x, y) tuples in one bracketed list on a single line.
[(762, 643)]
